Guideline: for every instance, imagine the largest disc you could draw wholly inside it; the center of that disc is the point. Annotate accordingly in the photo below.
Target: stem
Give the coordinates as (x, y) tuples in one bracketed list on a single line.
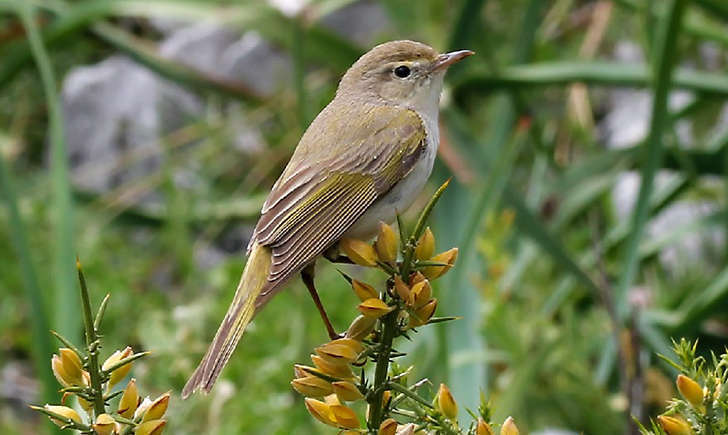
[(389, 329), (92, 344)]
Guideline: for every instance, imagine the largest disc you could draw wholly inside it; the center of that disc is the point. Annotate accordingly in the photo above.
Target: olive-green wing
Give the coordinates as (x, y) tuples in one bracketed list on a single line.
[(327, 187)]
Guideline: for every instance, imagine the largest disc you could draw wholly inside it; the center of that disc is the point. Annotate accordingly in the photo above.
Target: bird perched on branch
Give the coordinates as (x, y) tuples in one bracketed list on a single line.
[(364, 158)]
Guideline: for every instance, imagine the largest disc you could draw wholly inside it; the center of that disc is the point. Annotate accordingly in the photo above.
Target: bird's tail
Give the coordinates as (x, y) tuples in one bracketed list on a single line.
[(240, 313)]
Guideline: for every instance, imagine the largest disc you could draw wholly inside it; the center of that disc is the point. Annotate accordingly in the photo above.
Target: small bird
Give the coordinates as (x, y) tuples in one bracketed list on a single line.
[(364, 158)]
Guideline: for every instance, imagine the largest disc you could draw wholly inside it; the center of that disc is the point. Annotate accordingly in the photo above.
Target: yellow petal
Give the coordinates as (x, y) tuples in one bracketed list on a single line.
[(337, 352), (104, 425), (345, 417), (363, 290), (387, 243), (420, 294), (347, 391), (690, 390), (152, 427), (129, 400), (416, 277), (311, 386), (361, 327), (63, 411), (374, 308), (355, 345), (446, 402), (121, 372), (447, 257), (341, 371), (388, 427), (157, 408), (359, 251), (72, 366), (320, 411), (59, 371), (423, 314), (425, 245), (401, 288), (509, 427), (673, 425)]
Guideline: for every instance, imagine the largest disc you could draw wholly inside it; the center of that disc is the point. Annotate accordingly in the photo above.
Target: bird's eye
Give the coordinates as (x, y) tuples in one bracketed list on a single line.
[(402, 71)]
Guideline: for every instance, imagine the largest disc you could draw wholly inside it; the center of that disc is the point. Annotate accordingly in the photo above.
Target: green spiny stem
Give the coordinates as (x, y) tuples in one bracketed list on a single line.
[(409, 393), (389, 329), (92, 342)]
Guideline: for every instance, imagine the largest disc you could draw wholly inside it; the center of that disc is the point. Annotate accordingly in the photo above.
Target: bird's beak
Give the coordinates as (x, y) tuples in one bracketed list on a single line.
[(445, 60)]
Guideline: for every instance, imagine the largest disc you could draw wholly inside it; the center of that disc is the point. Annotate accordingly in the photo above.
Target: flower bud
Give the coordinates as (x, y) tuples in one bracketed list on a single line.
[(63, 411), (401, 288), (104, 425), (363, 290), (341, 371), (387, 243), (345, 417), (420, 294), (423, 314), (509, 427), (425, 245), (151, 427), (359, 251), (360, 327), (673, 425), (320, 411), (388, 427), (374, 308), (483, 428), (690, 390), (157, 409), (446, 403), (447, 257), (311, 386), (142, 408), (59, 371), (121, 372), (129, 400), (346, 391)]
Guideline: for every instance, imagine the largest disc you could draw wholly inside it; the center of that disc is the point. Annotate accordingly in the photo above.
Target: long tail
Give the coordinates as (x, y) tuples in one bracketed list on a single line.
[(240, 313)]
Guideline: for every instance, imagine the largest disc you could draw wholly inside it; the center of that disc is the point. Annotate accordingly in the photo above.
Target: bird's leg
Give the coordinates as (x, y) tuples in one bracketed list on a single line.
[(307, 276)]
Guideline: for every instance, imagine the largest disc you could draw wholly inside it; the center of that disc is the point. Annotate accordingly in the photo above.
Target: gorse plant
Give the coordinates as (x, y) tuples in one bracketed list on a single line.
[(702, 407), (83, 375), (394, 404)]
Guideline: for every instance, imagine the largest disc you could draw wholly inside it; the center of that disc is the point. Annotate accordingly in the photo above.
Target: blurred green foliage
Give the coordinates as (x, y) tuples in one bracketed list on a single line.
[(566, 301)]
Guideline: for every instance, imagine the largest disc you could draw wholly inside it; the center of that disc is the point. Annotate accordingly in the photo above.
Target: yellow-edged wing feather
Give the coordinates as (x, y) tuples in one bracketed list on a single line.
[(336, 173)]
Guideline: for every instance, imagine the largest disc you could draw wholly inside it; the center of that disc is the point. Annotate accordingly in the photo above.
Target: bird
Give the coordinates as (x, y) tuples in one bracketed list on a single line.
[(362, 160)]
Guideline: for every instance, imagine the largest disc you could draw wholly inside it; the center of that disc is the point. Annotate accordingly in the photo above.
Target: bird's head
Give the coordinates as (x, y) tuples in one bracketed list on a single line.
[(403, 73)]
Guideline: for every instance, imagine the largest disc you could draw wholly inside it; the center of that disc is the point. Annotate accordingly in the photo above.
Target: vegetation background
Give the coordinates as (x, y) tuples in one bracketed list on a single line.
[(587, 141)]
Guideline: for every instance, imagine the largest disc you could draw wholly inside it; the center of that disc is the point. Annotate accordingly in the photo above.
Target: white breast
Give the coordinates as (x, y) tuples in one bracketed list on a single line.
[(401, 196)]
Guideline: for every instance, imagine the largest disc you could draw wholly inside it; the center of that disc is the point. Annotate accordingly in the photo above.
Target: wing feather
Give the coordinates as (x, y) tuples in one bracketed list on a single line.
[(319, 197)]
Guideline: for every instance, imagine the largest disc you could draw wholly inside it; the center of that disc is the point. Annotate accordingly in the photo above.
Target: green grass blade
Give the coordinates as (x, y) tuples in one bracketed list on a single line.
[(665, 59), (41, 346), (64, 308), (588, 72)]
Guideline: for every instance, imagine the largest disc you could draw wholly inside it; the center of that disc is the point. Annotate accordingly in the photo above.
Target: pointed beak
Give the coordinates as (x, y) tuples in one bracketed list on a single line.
[(445, 60)]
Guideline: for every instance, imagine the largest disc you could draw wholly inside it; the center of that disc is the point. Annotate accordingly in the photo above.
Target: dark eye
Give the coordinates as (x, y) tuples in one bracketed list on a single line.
[(402, 71)]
